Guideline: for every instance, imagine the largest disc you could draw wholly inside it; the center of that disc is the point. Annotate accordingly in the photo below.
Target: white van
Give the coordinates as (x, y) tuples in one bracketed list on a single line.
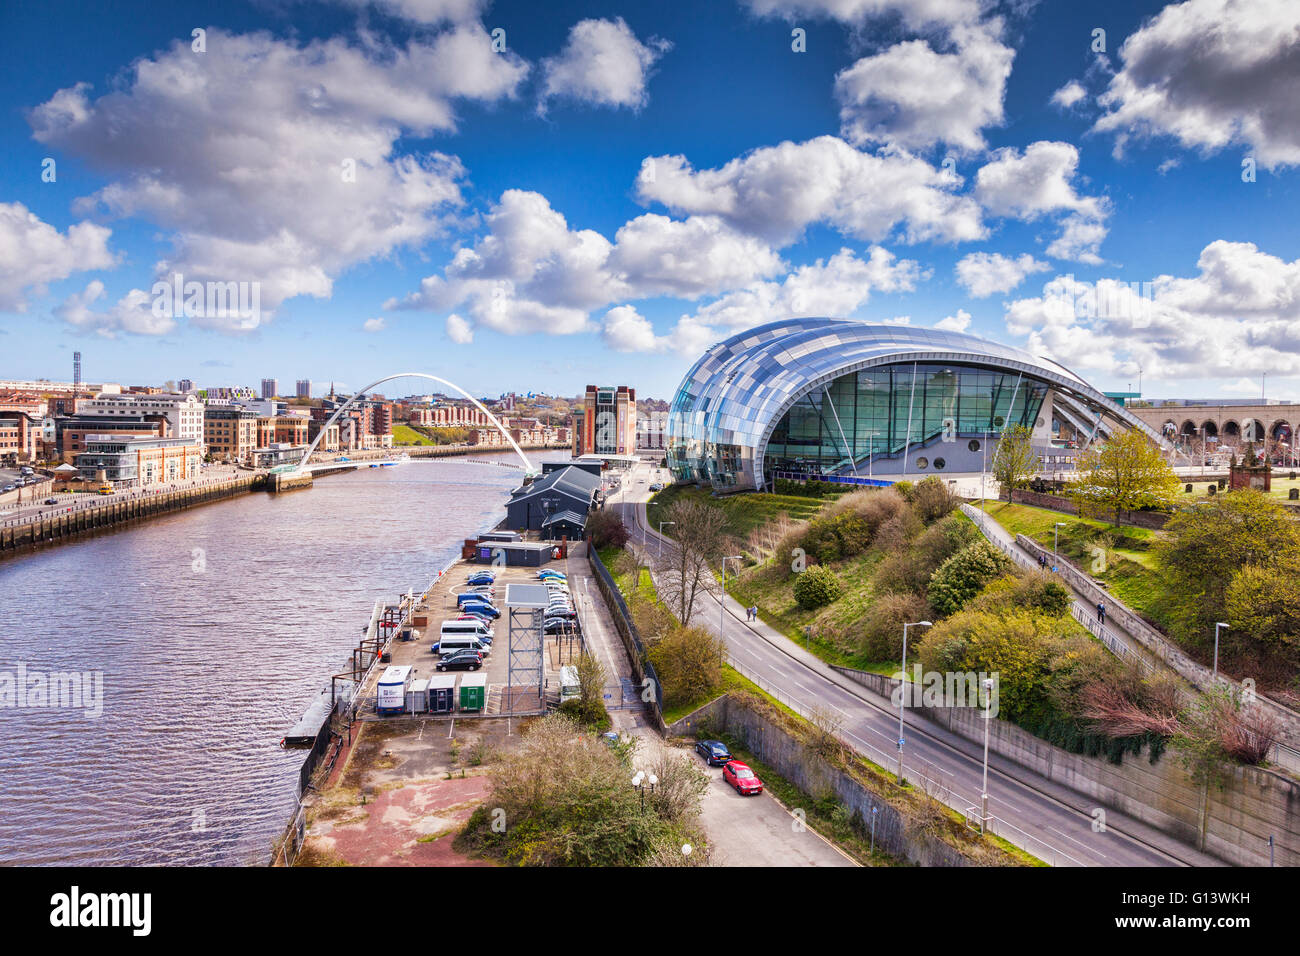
[(570, 687), (450, 644), (471, 626)]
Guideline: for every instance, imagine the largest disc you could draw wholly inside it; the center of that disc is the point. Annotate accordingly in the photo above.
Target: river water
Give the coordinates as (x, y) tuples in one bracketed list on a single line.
[(213, 630)]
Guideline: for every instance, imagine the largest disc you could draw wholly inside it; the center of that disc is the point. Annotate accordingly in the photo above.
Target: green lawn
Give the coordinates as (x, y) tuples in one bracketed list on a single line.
[(1281, 488), (406, 435), (1127, 568), (744, 512)]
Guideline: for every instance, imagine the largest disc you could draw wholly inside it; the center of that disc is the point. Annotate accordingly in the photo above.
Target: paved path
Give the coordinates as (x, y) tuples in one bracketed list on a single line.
[(1045, 818)]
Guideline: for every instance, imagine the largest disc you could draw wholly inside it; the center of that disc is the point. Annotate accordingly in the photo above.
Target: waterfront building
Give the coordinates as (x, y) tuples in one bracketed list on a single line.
[(20, 436), (331, 441), (139, 462), (184, 413), (230, 431), (820, 397), (605, 424), (279, 453), (71, 432), (564, 495), (281, 430)]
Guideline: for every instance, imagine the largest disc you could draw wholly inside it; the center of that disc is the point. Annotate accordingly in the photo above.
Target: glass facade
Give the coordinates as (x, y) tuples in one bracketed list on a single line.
[(880, 412), (817, 395)]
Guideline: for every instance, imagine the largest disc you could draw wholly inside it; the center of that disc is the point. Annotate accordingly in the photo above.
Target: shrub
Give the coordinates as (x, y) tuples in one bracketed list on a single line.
[(834, 537), (606, 529), (816, 587), (688, 661), (963, 575), (932, 500), (1033, 590), (882, 628)]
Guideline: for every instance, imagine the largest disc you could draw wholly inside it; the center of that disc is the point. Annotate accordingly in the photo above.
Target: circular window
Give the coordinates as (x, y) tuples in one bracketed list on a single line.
[(938, 464), (973, 445), (923, 463), (999, 422), (1039, 423)]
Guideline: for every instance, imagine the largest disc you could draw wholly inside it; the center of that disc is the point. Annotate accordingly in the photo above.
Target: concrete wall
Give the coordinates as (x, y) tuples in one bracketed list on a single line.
[(811, 774), (1238, 819), (63, 524)]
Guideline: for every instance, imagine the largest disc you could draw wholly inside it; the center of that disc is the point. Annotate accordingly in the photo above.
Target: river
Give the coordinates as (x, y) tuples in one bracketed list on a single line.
[(213, 630)]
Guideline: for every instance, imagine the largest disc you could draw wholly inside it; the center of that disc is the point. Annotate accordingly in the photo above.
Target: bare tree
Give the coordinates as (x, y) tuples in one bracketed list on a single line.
[(699, 532)]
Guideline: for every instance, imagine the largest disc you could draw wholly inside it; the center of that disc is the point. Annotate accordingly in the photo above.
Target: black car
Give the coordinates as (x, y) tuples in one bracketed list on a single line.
[(558, 625), (461, 661), (714, 752)]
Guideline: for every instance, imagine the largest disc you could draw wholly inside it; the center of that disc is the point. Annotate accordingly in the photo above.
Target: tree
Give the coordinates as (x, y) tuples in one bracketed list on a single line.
[(607, 529), (699, 531), (1204, 549), (1125, 473), (1014, 461)]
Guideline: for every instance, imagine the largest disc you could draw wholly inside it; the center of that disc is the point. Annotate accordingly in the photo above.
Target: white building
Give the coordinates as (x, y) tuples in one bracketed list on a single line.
[(184, 413)]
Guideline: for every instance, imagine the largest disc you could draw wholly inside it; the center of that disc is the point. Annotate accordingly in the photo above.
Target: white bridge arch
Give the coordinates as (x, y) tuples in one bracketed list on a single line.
[(311, 449)]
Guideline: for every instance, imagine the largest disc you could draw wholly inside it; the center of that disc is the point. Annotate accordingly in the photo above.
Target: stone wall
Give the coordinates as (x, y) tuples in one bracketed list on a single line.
[(1138, 519), (1238, 819)]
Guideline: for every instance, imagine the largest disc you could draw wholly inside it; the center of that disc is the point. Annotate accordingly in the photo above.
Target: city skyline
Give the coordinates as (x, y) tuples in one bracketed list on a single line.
[(651, 202)]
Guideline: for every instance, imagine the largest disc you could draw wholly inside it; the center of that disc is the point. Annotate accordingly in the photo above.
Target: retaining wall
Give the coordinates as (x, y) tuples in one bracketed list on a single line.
[(1254, 803)]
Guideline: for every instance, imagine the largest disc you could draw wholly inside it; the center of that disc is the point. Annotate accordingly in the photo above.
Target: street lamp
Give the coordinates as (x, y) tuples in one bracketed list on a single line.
[(660, 552), (722, 602), (1217, 626), (984, 790), (1059, 524), (640, 781), (902, 695)]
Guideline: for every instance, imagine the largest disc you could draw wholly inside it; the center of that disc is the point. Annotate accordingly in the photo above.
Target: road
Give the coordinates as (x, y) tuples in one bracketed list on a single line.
[(1043, 817), (82, 500), (743, 831)]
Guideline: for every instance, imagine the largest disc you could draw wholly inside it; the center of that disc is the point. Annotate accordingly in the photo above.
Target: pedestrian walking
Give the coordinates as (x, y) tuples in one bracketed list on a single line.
[(1101, 613)]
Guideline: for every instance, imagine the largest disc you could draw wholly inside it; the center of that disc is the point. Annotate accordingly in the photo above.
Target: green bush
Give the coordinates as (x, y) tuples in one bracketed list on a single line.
[(817, 587), (881, 630), (963, 575)]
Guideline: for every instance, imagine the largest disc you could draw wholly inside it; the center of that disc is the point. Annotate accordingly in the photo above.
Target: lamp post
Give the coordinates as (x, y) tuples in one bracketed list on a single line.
[(984, 789), (640, 781), (902, 695), (660, 552), (722, 602), (1059, 524), (1217, 627)]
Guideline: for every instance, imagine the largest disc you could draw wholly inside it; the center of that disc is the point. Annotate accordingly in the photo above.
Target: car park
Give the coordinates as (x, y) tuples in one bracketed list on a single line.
[(461, 661), (714, 752), (742, 778)]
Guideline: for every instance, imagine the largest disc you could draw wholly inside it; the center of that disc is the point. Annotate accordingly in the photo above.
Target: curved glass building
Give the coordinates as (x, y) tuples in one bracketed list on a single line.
[(816, 397)]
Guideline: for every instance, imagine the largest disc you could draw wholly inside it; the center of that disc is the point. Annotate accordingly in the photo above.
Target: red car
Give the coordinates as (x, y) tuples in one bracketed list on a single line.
[(742, 778)]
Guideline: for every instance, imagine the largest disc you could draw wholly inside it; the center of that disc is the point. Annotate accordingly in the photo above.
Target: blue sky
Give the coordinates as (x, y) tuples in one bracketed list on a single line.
[(618, 185)]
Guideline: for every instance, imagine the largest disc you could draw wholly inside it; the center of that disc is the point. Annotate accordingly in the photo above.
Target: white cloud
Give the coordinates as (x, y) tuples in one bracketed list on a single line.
[(427, 12), (459, 330), (983, 273), (133, 313), (602, 63), (1039, 182), (915, 13), (254, 153), (627, 330), (897, 320), (1239, 314), (776, 192), (955, 323), (374, 325), (1070, 94), (532, 273), (33, 253), (916, 96), (1243, 386), (1211, 73)]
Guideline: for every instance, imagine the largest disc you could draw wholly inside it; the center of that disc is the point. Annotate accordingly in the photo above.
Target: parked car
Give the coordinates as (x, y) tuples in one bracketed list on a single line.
[(714, 752), (482, 577), (656, 487), (548, 573), (461, 661), (558, 625), (51, 501), (11, 488), (487, 609), (742, 778)]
